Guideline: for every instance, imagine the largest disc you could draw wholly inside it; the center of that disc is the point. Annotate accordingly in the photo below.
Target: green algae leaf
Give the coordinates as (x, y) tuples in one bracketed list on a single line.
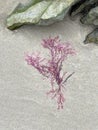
[(29, 15), (39, 12)]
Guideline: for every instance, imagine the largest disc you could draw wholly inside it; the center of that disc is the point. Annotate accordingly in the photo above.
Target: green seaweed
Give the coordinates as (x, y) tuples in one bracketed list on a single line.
[(39, 12)]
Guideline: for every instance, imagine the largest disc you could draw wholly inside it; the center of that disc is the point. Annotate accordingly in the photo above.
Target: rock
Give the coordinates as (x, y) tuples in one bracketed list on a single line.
[(92, 37), (91, 17), (83, 6), (89, 9), (40, 12), (76, 8)]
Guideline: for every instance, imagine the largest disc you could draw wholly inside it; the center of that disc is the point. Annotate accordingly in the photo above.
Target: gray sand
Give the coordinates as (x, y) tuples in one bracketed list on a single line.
[(23, 102)]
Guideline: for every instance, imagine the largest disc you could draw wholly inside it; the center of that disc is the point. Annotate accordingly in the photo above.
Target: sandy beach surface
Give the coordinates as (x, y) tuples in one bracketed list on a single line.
[(23, 101)]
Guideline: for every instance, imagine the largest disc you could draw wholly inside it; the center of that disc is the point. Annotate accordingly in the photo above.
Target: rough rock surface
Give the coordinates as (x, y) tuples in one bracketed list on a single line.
[(83, 6), (92, 37), (89, 10), (91, 17)]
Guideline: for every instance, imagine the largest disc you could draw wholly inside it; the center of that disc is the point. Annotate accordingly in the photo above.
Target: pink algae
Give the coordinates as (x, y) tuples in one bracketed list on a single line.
[(52, 68)]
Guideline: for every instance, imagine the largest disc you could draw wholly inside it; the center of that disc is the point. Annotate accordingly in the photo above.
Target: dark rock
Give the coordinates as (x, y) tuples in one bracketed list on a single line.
[(84, 6), (92, 37), (91, 17)]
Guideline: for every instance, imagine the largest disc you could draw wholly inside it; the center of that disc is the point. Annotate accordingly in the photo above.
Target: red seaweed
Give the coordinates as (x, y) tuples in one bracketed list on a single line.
[(52, 68)]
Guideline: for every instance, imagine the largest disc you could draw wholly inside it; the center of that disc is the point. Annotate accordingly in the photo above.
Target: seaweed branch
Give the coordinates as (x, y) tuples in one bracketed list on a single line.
[(52, 68)]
